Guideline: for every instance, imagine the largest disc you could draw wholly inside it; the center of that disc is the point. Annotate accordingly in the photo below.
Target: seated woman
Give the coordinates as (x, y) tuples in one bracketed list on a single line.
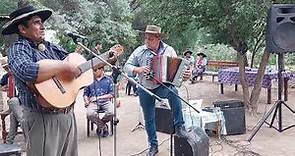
[(199, 67), (188, 55)]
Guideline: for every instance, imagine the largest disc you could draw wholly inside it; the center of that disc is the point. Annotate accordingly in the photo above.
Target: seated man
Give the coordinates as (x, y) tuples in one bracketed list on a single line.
[(97, 96), (199, 67)]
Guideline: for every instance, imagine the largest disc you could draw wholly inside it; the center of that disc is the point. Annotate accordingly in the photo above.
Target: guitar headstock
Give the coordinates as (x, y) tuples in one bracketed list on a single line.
[(116, 50)]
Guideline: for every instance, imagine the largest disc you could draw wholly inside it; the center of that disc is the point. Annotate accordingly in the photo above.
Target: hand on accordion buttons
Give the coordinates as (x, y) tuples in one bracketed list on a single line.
[(186, 74), (141, 70)]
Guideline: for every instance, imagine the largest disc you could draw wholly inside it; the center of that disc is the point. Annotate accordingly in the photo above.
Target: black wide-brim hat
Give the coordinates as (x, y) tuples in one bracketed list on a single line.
[(202, 54), (17, 17), (4, 18), (187, 51)]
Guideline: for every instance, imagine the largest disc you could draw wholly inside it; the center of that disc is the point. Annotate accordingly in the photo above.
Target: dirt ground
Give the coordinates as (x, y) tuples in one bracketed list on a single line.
[(267, 142)]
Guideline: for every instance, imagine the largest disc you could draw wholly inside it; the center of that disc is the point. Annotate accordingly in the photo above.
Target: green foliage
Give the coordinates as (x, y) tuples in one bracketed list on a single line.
[(187, 23), (5, 8), (108, 22), (67, 43), (217, 52), (229, 22)]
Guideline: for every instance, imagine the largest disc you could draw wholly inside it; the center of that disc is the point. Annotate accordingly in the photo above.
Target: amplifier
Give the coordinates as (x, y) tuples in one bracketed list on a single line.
[(197, 143), (234, 116), (164, 120)]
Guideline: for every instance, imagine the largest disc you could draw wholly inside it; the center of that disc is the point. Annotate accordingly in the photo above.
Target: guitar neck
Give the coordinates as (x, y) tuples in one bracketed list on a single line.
[(96, 62)]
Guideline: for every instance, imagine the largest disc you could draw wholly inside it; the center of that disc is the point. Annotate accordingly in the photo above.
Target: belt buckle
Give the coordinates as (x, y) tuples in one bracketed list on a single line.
[(61, 110), (66, 110)]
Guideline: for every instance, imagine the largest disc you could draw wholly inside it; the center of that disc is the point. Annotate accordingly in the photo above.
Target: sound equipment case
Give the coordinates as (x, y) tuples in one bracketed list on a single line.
[(234, 116), (197, 143)]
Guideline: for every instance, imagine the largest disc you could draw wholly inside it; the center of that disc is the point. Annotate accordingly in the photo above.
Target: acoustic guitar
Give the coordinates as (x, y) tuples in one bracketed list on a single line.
[(60, 93)]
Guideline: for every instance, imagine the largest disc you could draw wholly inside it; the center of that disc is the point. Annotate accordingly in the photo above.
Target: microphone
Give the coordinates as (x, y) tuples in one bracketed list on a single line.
[(75, 36)]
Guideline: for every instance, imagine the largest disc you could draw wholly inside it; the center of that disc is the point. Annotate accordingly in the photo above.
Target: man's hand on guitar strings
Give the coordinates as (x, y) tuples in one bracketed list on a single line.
[(70, 71)]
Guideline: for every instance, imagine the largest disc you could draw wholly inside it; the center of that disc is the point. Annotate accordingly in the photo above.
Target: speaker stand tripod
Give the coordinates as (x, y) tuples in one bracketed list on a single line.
[(277, 107), (139, 124)]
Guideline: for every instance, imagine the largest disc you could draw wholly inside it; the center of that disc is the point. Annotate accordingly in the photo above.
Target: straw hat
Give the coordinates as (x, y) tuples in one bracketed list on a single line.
[(152, 29), (19, 15)]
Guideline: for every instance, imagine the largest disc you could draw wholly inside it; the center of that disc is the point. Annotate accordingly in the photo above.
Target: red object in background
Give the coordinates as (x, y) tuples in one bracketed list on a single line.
[(11, 88)]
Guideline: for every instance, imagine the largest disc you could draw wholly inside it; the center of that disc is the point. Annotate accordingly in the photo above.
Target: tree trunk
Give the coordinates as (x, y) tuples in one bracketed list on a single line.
[(258, 82), (243, 79), (241, 48), (252, 59)]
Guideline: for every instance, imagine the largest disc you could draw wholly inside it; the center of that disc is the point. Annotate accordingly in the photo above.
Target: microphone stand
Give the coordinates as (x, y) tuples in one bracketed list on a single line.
[(116, 72)]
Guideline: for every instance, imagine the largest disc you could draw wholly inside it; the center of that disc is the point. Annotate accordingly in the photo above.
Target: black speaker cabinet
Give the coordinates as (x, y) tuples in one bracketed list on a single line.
[(197, 144), (280, 35), (164, 120), (234, 116)]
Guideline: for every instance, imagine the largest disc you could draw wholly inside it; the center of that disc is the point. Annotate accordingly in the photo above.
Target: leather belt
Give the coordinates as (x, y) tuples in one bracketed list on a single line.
[(52, 110), (57, 110)]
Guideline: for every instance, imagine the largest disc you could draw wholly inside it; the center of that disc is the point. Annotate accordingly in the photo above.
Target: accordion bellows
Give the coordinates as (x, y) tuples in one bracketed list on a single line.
[(167, 69)]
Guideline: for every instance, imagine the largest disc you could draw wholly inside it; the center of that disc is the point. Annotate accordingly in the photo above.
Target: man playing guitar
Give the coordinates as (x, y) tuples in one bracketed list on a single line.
[(32, 59)]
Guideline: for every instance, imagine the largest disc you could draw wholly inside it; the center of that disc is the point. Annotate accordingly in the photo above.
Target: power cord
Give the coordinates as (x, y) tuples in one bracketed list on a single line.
[(188, 98), (217, 143), (241, 149)]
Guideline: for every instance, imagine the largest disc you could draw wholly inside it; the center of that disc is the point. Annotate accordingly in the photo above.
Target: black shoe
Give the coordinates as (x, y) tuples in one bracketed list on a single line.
[(180, 131), (152, 151), (98, 132), (105, 131)]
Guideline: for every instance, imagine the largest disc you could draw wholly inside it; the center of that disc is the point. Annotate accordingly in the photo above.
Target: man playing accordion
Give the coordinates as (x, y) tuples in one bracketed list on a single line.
[(139, 63)]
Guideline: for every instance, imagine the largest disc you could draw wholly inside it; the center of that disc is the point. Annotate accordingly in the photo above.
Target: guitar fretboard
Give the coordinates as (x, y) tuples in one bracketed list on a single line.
[(96, 62)]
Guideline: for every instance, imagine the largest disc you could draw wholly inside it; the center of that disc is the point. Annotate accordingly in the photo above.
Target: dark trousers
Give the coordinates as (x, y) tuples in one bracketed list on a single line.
[(128, 88)]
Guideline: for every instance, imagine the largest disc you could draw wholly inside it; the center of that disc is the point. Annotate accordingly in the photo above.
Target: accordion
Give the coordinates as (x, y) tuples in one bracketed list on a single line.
[(167, 69)]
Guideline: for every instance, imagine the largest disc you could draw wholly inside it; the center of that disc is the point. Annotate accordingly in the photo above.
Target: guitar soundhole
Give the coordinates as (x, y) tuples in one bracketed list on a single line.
[(59, 85)]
